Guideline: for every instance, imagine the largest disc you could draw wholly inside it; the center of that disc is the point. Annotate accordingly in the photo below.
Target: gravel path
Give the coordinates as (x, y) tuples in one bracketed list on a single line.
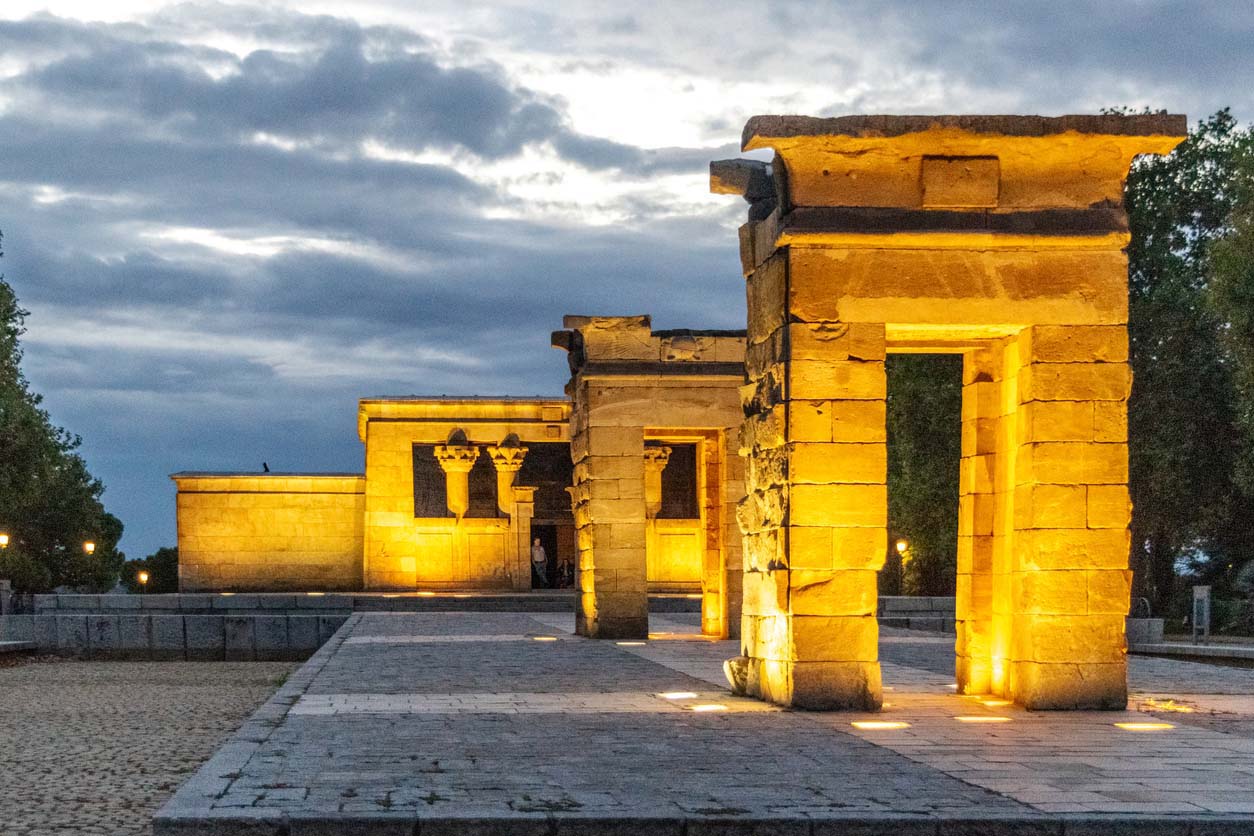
[(96, 747)]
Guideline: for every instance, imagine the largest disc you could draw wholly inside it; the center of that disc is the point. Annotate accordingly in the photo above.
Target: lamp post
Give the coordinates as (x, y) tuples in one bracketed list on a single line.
[(4, 541), (89, 547), (142, 577), (901, 546)]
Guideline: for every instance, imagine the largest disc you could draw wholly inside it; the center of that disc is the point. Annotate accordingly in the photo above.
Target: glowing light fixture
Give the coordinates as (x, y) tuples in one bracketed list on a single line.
[(89, 547), (315, 594), (982, 718), (4, 541), (426, 594), (544, 638), (901, 546), (995, 703), (630, 644), (679, 695), (953, 686), (708, 706), (226, 594), (879, 725), (1152, 704), (1145, 726), (142, 577)]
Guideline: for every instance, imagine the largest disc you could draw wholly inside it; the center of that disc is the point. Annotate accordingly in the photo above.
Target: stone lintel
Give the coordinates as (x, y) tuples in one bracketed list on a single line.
[(759, 131), (874, 220)]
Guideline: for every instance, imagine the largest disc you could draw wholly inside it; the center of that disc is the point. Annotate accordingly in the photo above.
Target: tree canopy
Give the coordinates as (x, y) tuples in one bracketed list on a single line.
[(49, 501)]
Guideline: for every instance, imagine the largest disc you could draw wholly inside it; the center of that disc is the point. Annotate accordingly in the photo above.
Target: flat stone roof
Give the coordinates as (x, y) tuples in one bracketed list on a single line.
[(505, 723), (780, 127)]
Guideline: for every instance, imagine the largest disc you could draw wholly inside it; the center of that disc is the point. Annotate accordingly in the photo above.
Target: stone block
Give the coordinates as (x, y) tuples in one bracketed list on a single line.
[(205, 636), (42, 603), (858, 421), (1061, 592), (169, 638), (1109, 591), (196, 602), (119, 602), (1077, 344), (17, 628), (1072, 463), (1070, 686), (1110, 421), (239, 638), (764, 593), (328, 624), (844, 593), (1070, 639), (848, 380), (838, 463), (1049, 506), (270, 635), (835, 341), (302, 632), (808, 421), (818, 686), (1074, 549), (839, 505), (134, 634), (1075, 382), (103, 634), (165, 602), (834, 638), (766, 297), (976, 514), (72, 635), (234, 602), (1108, 506), (1056, 421), (45, 632), (278, 602)]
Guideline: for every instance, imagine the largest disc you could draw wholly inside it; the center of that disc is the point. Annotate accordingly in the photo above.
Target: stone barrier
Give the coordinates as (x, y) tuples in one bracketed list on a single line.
[(140, 635), (934, 614)]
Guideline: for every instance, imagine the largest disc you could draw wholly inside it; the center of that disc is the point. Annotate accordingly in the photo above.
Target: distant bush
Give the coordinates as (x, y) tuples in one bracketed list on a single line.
[(163, 572)]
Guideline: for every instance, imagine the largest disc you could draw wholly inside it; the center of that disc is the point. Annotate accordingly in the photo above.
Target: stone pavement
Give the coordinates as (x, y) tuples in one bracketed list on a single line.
[(96, 747), (505, 723)]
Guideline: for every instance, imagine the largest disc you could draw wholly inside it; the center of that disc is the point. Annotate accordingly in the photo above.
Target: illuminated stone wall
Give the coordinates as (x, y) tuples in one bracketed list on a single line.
[(466, 546), (269, 532), (999, 238), (630, 384)]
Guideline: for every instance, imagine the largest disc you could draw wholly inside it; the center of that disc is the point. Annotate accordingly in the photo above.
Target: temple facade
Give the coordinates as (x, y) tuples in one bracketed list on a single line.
[(456, 490), (751, 467)]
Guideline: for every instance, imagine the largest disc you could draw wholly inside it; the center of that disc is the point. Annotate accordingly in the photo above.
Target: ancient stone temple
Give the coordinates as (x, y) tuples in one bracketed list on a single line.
[(642, 398), (999, 238)]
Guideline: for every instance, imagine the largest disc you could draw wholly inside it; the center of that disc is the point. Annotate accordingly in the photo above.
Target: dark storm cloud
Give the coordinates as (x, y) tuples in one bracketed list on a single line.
[(123, 146)]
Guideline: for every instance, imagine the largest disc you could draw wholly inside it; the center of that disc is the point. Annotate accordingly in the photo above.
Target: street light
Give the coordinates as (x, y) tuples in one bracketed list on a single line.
[(89, 547), (901, 546), (142, 577), (4, 541)]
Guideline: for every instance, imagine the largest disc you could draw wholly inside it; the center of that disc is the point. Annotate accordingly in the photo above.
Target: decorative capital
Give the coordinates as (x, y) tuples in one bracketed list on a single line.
[(507, 459), (455, 458), (655, 459)]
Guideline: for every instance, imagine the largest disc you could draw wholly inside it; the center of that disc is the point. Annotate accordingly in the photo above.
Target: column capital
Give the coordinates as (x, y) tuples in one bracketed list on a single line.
[(507, 459), (455, 458), (656, 458)]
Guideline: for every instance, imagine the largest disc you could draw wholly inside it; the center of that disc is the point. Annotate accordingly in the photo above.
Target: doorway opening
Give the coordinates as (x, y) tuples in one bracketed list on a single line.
[(917, 583)]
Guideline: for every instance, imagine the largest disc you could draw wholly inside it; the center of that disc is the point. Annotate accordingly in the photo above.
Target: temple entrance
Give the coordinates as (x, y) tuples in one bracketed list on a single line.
[(917, 583)]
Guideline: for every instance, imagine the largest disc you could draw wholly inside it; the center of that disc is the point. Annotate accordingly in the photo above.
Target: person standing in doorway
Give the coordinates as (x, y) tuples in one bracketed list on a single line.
[(539, 566)]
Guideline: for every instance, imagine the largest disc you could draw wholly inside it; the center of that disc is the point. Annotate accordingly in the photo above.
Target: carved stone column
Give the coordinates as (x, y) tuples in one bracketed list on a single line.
[(456, 461), (655, 460), (508, 460)]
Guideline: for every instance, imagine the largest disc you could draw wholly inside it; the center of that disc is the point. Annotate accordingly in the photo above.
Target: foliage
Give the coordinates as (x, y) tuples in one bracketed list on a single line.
[(27, 574), (49, 502), (162, 567), (924, 446), (1232, 297), (1184, 440)]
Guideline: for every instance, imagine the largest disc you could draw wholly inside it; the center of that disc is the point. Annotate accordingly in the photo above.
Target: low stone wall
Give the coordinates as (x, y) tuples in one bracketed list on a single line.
[(935, 614), (255, 603), (190, 637)]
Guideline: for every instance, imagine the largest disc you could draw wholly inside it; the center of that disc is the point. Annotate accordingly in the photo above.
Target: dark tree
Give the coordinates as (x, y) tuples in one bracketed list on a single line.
[(49, 502)]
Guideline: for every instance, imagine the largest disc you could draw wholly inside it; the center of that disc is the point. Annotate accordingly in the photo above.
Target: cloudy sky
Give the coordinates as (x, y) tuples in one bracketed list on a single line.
[(230, 221)]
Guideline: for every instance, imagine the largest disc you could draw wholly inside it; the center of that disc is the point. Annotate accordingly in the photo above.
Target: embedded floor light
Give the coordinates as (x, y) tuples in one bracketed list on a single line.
[(631, 644), (679, 695), (1138, 726), (544, 638), (982, 718), (879, 725), (707, 707)]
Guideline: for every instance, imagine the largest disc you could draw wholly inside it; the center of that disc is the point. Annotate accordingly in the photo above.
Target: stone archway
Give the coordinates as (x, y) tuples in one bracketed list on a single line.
[(995, 236)]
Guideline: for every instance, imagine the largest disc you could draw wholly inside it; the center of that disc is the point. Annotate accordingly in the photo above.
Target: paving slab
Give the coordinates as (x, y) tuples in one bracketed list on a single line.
[(507, 724)]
